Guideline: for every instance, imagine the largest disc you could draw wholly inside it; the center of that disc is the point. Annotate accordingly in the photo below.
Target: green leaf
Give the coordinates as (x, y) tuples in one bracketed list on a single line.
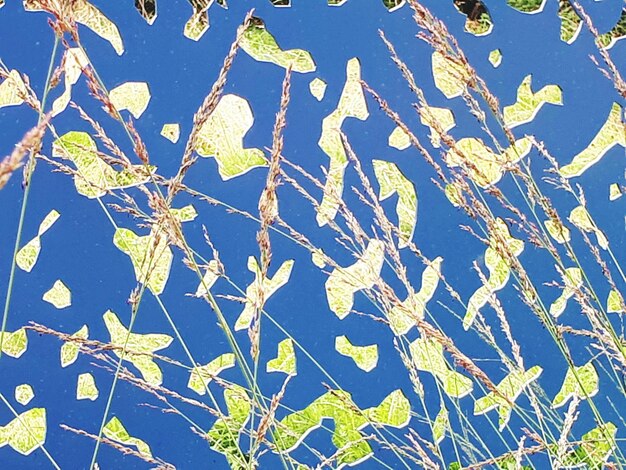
[(261, 289), (151, 263), (94, 176), (27, 257), (351, 104), (26, 432), (510, 387), (611, 133), (572, 281), (528, 103), (317, 87), (614, 302), (24, 394), (571, 24), (499, 269), (70, 349), (343, 283), (403, 317), (495, 58), (201, 376), (58, 295), (558, 231), (581, 382), (427, 355), (365, 357), (86, 388), (581, 219), (450, 77), (337, 405), (391, 180), (139, 347), (399, 139), (116, 431), (224, 435), (222, 135), (171, 132), (441, 425), (12, 90), (285, 361), (432, 117), (595, 449), (259, 43), (14, 344), (131, 96)]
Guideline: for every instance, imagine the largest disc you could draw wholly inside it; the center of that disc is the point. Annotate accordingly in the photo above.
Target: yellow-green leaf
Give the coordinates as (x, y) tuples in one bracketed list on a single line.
[(365, 357), (26, 432), (495, 58), (116, 431), (201, 376), (171, 132), (399, 139), (572, 281), (24, 394), (581, 219), (222, 135), (442, 117), (343, 283), (58, 295), (351, 104), (131, 96), (259, 43), (12, 90), (317, 87), (581, 382), (70, 349), (615, 302), (14, 344), (450, 78), (86, 388), (528, 103), (285, 361), (74, 61), (27, 257)]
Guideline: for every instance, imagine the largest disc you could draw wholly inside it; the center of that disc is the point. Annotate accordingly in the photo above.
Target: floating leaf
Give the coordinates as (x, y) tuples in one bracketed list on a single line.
[(428, 356), (441, 425), (558, 231), (343, 283), (527, 6), (201, 376), (74, 61), (391, 180), (478, 20), (611, 134), (450, 78), (614, 302), (581, 382), (222, 135), (27, 257), (528, 103), (70, 349), (25, 432), (12, 90), (595, 449), (86, 388), (572, 280), (131, 96), (261, 289), (24, 394), (94, 176), (484, 166), (14, 344), (431, 116), (403, 317), (285, 361), (615, 192), (116, 431), (571, 24), (337, 405), (58, 295), (139, 347), (399, 139), (317, 87), (211, 275), (581, 219), (351, 104), (365, 357), (495, 58), (259, 43), (617, 32), (185, 214), (223, 437), (171, 132), (151, 260), (510, 387), (498, 266), (83, 12)]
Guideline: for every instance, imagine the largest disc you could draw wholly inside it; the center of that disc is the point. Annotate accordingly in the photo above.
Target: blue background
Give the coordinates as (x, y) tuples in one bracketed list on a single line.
[(180, 72)]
